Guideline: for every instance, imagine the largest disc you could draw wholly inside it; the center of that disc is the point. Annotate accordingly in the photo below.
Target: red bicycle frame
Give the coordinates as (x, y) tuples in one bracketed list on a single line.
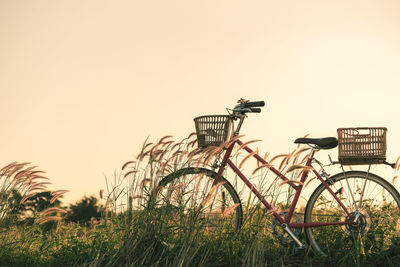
[(298, 188)]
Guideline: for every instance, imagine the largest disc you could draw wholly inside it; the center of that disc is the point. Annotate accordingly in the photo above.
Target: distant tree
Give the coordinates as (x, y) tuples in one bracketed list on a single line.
[(23, 211), (41, 201), (84, 210)]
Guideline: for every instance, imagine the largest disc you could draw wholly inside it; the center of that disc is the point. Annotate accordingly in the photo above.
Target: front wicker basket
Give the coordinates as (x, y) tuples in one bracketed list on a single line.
[(358, 146), (212, 130)]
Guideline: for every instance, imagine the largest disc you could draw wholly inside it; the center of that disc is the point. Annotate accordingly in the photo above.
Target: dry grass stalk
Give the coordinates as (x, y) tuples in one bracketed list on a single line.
[(163, 138), (397, 163), (267, 165), (229, 210), (298, 153), (192, 143), (284, 162), (296, 167), (53, 210), (130, 172), (57, 194), (48, 219), (277, 157), (247, 157), (127, 163), (233, 139), (290, 182), (4, 170), (248, 142), (211, 194)]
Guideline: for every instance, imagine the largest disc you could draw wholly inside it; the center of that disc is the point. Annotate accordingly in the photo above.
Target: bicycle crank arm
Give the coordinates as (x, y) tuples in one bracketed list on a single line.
[(293, 236)]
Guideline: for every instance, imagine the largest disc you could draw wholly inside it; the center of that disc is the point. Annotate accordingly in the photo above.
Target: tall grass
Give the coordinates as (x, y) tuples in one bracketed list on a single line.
[(136, 232)]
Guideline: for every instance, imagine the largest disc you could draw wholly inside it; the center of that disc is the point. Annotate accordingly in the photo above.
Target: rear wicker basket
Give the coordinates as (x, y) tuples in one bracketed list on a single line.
[(359, 146), (212, 130)]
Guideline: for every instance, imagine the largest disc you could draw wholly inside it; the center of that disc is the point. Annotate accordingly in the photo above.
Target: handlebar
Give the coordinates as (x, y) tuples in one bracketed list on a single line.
[(245, 107), (255, 110), (248, 107), (254, 104)]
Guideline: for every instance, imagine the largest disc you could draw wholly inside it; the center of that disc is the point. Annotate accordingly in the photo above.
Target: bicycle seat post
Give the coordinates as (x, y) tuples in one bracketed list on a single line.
[(312, 152)]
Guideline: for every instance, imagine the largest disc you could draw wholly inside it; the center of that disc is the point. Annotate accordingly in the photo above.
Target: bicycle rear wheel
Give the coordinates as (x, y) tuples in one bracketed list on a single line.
[(190, 202), (367, 196)]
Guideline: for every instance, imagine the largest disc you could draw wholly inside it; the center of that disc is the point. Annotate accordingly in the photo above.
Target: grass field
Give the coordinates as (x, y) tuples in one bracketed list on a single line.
[(136, 231)]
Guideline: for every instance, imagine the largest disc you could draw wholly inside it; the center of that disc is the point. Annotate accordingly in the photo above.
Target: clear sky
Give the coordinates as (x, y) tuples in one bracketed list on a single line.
[(83, 83)]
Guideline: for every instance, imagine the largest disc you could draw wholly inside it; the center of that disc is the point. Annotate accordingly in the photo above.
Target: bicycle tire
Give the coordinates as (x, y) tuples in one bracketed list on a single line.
[(377, 202), (185, 194)]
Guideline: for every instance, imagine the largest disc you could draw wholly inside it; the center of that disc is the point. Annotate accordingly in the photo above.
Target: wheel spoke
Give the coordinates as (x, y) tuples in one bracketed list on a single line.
[(377, 213), (190, 192)]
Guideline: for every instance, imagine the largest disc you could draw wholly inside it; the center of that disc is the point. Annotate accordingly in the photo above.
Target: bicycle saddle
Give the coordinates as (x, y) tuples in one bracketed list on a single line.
[(322, 143)]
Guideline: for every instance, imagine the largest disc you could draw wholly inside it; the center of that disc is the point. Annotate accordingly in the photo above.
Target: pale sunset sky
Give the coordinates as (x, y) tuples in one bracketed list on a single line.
[(83, 83)]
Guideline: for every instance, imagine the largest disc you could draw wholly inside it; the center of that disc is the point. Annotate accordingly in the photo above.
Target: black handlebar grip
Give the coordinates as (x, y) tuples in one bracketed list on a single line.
[(255, 110), (254, 104)]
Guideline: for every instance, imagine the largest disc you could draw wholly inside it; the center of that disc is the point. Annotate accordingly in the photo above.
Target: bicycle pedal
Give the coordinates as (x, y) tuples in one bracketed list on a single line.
[(296, 248)]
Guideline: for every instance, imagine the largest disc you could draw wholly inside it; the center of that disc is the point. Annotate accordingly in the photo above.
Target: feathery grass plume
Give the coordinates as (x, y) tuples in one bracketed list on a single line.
[(145, 182), (53, 210), (167, 144), (57, 194), (233, 139), (23, 180), (397, 163), (350, 168), (192, 134), (140, 155), (163, 138), (27, 196), (46, 219), (25, 172), (130, 172), (207, 154), (211, 194), (101, 192), (214, 153), (298, 153), (247, 157), (290, 182), (4, 170), (304, 159), (192, 143), (161, 155), (277, 157), (155, 154), (176, 145), (248, 143), (127, 163), (182, 154), (284, 162), (267, 165), (229, 210), (192, 154), (295, 167)]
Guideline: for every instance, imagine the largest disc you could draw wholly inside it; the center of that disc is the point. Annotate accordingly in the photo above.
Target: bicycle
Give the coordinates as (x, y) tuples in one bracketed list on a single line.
[(346, 208)]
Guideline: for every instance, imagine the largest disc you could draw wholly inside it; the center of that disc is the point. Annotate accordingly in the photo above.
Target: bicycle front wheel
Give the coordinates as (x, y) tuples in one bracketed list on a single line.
[(367, 197), (191, 203)]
